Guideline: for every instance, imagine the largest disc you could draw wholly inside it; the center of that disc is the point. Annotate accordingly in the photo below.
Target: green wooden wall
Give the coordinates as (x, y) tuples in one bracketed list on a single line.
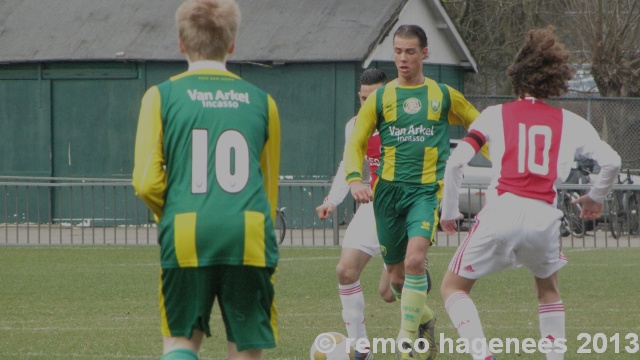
[(78, 120)]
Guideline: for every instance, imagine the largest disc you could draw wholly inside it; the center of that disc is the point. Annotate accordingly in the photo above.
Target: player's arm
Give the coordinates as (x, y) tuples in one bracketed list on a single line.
[(356, 149), (339, 187), (453, 175), (608, 160), (270, 157), (149, 176)]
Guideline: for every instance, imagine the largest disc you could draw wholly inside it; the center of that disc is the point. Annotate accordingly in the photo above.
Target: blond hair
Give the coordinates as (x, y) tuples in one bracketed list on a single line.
[(207, 28)]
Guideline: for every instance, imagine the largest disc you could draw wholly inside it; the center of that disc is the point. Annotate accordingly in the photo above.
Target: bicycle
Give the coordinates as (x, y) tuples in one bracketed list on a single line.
[(281, 224), (623, 209), (571, 223)]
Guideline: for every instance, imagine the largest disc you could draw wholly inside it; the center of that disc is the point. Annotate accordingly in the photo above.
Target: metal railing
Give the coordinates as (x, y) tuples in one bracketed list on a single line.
[(69, 211)]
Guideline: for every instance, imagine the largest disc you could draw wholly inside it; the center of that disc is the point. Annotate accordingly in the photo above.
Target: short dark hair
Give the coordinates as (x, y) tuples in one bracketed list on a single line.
[(412, 31), (373, 76), (540, 68)]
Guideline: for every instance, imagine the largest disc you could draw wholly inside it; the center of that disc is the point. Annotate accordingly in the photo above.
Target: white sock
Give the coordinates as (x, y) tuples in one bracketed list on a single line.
[(464, 316), (353, 310), (552, 327)]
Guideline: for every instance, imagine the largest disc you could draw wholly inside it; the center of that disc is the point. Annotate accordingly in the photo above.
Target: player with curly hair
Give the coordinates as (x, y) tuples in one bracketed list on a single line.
[(532, 147)]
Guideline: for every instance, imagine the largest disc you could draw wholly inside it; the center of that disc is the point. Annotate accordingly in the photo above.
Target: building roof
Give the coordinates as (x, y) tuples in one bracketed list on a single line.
[(271, 30)]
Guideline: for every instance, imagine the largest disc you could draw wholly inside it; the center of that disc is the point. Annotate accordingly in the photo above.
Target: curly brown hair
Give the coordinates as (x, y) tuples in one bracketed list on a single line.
[(540, 68)]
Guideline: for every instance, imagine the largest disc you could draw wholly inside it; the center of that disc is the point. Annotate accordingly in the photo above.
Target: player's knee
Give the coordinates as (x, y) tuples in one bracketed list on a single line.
[(414, 264), (346, 273)]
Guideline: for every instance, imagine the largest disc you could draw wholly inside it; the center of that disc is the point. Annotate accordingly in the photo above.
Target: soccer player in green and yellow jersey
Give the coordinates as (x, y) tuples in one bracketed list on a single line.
[(412, 115), (206, 163)]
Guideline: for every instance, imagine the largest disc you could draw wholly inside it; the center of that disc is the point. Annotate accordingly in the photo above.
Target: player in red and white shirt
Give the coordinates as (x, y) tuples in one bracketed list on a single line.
[(532, 146), (360, 241)]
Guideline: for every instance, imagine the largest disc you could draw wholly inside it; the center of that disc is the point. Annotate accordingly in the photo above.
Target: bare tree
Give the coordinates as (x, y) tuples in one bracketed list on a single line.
[(610, 35), (494, 30), (603, 35)]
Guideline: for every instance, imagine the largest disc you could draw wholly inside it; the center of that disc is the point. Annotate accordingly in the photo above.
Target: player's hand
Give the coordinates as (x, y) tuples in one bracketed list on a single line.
[(361, 193), (450, 226), (591, 209), (325, 210)]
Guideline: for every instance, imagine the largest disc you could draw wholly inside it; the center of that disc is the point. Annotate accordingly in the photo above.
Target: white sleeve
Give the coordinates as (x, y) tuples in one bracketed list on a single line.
[(610, 163), (453, 175), (340, 188), (590, 146)]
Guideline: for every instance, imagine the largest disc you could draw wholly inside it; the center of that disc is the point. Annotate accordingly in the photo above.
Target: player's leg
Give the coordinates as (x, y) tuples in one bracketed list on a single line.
[(359, 245), (417, 320), (462, 310), (233, 354), (248, 311), (541, 252), (551, 315), (421, 222), (185, 310), (489, 247), (182, 348), (349, 268), (384, 287)]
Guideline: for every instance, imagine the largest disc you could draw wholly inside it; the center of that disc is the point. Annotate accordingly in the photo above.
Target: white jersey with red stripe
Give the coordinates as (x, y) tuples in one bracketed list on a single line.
[(532, 146), (361, 232)]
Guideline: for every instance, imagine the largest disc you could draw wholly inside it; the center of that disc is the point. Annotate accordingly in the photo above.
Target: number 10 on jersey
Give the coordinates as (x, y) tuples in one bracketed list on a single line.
[(527, 144), (232, 161)]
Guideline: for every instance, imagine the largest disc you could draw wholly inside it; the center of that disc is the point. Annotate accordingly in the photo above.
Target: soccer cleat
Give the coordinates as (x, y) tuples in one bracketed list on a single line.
[(427, 331), (409, 355), (363, 356), (426, 271), (491, 358)]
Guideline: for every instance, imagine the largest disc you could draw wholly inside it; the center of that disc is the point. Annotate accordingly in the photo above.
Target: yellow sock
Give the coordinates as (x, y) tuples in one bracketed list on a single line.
[(427, 314), (412, 305)]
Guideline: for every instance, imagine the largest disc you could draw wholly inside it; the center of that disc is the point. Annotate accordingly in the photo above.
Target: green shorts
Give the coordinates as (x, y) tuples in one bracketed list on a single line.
[(404, 211), (245, 296)]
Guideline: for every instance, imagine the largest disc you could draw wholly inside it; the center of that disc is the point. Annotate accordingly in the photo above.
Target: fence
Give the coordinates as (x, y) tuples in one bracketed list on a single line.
[(68, 211)]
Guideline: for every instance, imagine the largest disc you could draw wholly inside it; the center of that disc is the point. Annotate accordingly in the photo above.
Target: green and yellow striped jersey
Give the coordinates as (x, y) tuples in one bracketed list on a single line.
[(206, 162), (413, 122)]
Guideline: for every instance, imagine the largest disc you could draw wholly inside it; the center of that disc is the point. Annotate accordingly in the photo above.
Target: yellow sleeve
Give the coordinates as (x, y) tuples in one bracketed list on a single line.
[(149, 176), (356, 146), (463, 113), (270, 158)]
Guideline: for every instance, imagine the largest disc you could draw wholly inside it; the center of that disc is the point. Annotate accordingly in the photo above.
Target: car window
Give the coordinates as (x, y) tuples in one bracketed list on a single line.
[(477, 161)]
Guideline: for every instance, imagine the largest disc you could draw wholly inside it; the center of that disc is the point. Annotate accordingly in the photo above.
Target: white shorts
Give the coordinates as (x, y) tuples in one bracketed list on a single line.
[(511, 231), (361, 232)]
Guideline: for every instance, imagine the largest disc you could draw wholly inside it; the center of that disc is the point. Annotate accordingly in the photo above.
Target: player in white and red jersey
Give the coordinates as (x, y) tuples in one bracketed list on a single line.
[(532, 146), (360, 241)]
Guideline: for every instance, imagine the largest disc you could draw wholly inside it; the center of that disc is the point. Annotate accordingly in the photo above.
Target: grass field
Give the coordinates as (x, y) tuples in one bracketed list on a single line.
[(100, 302)]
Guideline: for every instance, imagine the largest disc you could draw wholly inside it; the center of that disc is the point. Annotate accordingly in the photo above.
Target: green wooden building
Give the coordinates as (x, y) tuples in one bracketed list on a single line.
[(71, 77)]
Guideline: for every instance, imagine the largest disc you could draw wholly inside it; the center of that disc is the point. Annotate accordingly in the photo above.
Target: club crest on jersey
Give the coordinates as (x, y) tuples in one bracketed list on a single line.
[(435, 105), (412, 105)]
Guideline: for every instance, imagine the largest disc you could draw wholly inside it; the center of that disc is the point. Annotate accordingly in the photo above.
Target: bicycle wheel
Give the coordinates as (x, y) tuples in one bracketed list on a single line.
[(576, 224), (617, 215), (281, 225), (570, 224)]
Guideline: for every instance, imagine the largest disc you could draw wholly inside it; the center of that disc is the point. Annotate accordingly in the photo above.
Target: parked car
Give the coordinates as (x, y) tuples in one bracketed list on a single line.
[(477, 175)]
